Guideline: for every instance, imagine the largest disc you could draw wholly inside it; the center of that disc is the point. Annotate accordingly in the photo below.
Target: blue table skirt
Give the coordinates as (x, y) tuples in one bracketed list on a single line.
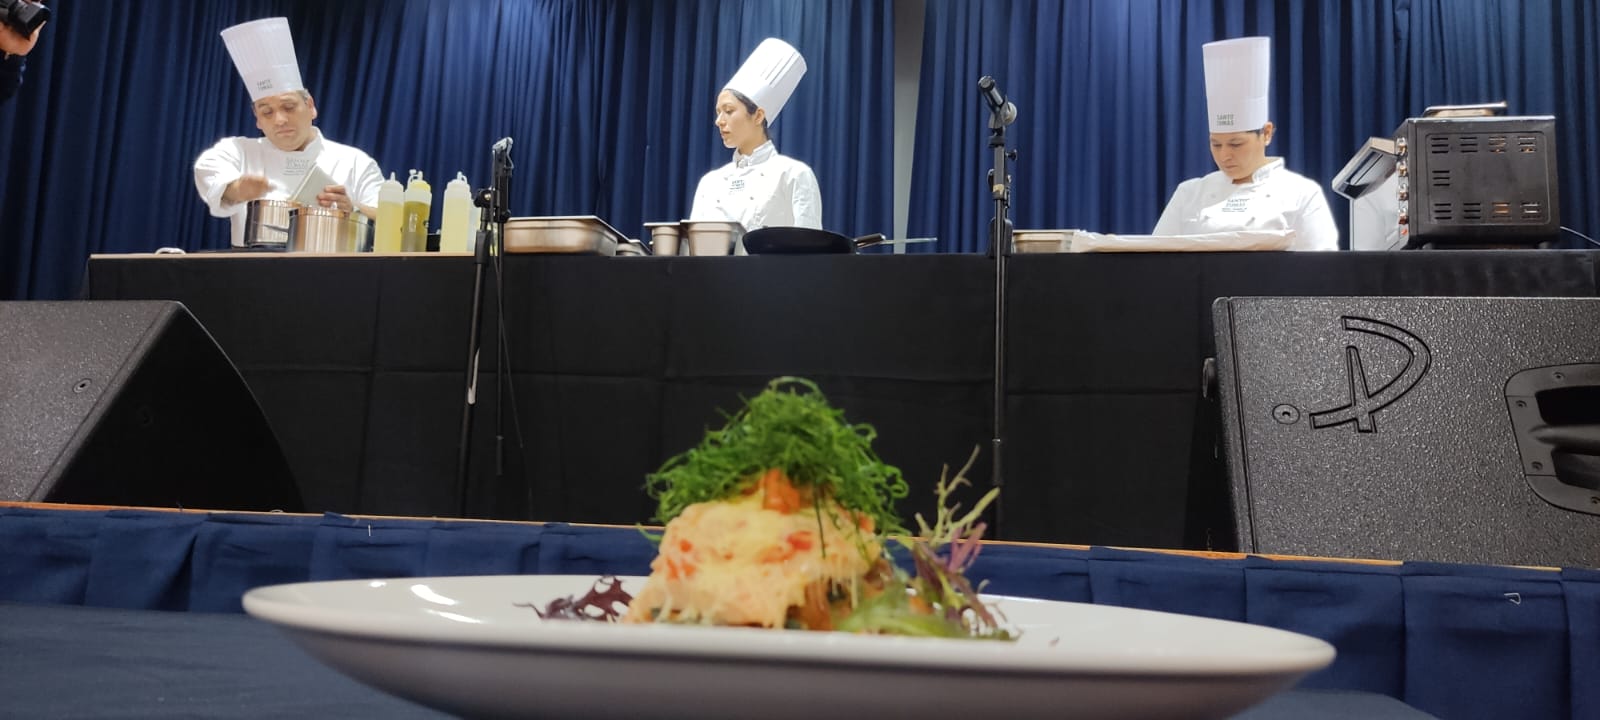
[(1451, 640), (65, 662)]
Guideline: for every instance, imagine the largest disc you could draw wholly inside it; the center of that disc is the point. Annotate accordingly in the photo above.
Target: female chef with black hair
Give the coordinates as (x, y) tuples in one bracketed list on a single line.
[(1249, 190), (759, 188)]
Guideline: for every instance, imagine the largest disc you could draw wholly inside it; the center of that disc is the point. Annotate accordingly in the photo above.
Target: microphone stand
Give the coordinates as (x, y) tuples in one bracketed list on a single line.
[(490, 241), (1000, 248)]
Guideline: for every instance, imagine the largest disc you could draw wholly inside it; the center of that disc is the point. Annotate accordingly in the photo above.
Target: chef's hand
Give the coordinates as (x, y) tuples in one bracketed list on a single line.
[(245, 189), (334, 196), (13, 43)]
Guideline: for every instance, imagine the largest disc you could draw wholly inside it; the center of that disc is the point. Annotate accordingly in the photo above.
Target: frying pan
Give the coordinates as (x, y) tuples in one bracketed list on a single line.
[(804, 241)]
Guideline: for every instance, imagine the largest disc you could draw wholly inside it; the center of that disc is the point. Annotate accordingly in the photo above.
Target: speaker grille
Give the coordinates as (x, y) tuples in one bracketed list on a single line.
[(130, 403), (1386, 427)]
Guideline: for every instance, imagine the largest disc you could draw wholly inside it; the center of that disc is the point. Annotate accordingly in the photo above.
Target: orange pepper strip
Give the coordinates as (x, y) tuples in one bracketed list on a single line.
[(679, 568), (802, 539), (776, 554), (778, 493)]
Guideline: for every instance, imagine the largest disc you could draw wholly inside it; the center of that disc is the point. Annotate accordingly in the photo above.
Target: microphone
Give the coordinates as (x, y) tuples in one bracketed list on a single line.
[(502, 159), (1003, 109)]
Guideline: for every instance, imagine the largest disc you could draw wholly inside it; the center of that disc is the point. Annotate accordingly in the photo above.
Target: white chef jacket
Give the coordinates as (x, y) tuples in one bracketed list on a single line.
[(759, 190), (1275, 198), (234, 157)]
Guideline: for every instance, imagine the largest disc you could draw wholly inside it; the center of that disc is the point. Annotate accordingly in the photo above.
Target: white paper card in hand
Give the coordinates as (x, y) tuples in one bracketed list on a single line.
[(310, 186)]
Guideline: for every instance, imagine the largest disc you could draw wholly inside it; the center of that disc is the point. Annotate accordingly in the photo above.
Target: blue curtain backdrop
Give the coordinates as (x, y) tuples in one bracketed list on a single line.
[(609, 103), (1111, 97)]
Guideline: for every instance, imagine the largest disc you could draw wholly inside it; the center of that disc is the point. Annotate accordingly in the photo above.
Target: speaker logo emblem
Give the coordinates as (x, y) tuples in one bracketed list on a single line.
[(1364, 401)]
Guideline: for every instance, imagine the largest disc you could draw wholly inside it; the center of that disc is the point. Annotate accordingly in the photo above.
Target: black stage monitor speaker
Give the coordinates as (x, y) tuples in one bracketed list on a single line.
[(1444, 429), (130, 403)]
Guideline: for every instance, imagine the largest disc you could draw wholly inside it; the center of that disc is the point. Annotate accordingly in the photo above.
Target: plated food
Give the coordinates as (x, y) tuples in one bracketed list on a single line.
[(784, 518)]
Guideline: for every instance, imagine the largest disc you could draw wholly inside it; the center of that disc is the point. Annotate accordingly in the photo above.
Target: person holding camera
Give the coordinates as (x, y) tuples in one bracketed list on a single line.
[(16, 40)]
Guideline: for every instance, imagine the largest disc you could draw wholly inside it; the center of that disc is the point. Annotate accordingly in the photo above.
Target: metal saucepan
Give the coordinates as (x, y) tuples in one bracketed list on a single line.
[(664, 237), (710, 237), (315, 229), (266, 222)]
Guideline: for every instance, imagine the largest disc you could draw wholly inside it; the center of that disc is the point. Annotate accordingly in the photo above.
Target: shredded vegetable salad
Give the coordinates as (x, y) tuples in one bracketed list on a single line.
[(784, 518)]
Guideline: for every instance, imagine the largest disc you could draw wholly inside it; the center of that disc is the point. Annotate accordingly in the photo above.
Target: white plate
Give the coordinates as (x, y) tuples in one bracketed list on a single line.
[(463, 645)]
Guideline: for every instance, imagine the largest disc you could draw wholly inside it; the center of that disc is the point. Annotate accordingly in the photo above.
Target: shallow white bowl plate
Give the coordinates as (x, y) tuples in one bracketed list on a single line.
[(463, 645)]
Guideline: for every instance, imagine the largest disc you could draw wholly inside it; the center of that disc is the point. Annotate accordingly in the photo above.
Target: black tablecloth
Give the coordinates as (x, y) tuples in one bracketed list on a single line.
[(620, 363), (81, 662)]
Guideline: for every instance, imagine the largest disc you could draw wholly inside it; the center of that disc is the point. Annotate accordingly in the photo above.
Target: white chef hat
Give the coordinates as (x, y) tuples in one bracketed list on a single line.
[(769, 76), (263, 51), (1238, 76)]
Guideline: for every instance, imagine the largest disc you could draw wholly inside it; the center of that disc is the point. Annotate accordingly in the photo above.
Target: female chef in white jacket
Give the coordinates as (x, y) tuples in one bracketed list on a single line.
[(1249, 190), (759, 188)]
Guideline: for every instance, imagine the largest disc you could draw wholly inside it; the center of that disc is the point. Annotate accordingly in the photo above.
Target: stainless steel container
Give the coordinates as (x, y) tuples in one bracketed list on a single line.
[(266, 222), (1042, 241), (664, 237), (712, 237), (576, 235), (323, 230)]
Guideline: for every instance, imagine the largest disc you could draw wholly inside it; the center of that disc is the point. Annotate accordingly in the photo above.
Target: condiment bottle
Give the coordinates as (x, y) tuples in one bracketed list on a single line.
[(455, 224), (391, 215), (419, 201)]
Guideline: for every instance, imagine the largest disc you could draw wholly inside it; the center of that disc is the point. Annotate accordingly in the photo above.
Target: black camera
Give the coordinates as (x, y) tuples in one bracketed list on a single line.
[(23, 16)]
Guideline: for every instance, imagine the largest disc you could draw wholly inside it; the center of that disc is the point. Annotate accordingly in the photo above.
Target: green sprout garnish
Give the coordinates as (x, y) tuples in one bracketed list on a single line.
[(789, 426), (939, 600)]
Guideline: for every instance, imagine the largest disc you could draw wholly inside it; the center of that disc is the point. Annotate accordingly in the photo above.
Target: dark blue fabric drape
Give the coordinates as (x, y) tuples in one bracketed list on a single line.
[(607, 100), (609, 103), (1541, 56), (1452, 640), (1111, 96)]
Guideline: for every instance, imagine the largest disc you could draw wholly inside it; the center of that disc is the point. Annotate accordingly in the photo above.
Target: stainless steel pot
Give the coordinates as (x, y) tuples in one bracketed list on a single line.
[(266, 222), (664, 237), (315, 229), (712, 237)]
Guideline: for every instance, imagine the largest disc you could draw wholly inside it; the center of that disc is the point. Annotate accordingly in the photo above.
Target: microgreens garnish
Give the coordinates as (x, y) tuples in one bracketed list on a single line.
[(789, 426)]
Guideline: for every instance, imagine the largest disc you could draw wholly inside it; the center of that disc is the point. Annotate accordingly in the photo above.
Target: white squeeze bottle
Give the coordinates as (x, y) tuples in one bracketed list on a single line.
[(419, 201), (455, 225), (391, 212)]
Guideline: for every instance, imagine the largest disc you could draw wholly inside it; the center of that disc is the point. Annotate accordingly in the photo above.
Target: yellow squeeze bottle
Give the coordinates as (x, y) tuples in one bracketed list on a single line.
[(391, 214), (419, 201)]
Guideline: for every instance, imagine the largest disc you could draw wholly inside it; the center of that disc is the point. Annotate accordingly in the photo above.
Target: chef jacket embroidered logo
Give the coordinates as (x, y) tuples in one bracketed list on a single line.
[(736, 184), (1236, 204), (1363, 401)]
